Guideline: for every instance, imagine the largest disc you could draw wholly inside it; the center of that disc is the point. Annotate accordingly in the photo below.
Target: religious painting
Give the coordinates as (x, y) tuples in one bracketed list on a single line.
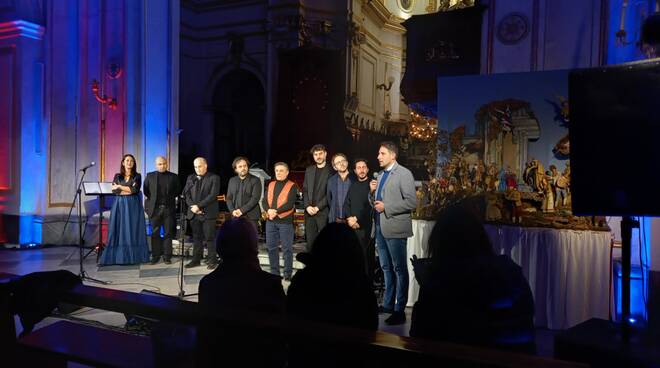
[(503, 139)]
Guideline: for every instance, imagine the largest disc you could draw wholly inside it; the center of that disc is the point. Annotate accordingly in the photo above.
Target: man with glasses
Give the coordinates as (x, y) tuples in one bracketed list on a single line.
[(338, 185)]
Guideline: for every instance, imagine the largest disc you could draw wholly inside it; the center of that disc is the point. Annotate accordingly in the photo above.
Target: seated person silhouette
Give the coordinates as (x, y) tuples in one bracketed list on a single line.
[(469, 295), (238, 285), (332, 288)]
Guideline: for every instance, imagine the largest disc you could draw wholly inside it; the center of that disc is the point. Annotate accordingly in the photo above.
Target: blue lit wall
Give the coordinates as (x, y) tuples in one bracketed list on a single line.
[(57, 128)]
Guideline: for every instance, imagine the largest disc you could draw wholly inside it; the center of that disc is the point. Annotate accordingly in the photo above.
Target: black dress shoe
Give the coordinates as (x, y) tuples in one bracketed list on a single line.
[(154, 260), (167, 261), (397, 318), (193, 264)]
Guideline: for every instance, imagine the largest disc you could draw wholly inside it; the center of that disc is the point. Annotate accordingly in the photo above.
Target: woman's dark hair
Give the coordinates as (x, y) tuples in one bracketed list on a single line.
[(122, 170), (458, 233)]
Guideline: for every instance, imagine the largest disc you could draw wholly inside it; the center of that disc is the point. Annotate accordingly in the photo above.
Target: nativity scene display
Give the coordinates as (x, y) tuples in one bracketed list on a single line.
[(510, 163)]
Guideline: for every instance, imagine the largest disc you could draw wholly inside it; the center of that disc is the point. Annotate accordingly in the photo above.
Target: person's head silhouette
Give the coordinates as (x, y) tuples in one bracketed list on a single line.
[(237, 241), (458, 233), (337, 248)]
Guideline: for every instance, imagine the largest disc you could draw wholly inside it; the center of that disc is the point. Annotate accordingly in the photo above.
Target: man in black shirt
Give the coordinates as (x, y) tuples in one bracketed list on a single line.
[(201, 193), (161, 188), (244, 192), (314, 194), (358, 212), (279, 204)]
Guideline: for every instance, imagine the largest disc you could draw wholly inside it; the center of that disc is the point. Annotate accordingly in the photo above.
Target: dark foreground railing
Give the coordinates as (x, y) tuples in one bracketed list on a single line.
[(64, 341)]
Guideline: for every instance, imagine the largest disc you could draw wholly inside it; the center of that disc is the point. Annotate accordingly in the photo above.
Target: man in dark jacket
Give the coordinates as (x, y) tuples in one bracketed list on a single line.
[(243, 192), (338, 185), (314, 194), (279, 204), (359, 213), (201, 192), (160, 189)]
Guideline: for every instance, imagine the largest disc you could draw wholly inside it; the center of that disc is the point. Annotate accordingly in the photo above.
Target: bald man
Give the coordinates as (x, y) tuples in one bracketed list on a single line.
[(161, 187), (201, 192)]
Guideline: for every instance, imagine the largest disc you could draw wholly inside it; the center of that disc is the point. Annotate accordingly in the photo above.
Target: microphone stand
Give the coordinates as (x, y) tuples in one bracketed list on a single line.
[(182, 227), (81, 242)]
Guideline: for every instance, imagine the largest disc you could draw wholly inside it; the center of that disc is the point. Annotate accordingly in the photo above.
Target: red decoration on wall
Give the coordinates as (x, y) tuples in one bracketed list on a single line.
[(111, 101)]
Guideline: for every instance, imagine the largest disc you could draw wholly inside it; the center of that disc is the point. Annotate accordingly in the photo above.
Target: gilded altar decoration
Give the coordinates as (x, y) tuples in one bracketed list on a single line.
[(448, 5)]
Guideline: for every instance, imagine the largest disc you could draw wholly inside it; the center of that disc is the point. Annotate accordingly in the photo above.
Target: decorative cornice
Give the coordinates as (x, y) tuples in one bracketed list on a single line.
[(21, 28), (377, 10)]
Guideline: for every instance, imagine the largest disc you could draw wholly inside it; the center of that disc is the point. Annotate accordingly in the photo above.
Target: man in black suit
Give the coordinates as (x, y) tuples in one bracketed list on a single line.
[(314, 194), (201, 192), (359, 213), (244, 192), (160, 189)]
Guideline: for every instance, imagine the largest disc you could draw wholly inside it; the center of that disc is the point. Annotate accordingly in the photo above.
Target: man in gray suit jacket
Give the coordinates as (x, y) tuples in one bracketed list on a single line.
[(393, 198)]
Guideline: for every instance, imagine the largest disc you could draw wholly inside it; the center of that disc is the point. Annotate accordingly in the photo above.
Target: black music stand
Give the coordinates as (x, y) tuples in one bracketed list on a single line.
[(101, 190)]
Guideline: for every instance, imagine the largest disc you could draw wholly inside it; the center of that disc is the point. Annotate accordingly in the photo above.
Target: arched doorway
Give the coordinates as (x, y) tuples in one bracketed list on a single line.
[(239, 110)]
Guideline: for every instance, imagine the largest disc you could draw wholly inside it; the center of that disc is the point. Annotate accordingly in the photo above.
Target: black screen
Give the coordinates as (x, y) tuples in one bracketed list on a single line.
[(615, 139)]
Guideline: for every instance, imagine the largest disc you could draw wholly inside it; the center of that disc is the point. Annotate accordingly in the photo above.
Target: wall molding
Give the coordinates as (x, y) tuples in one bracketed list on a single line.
[(8, 58), (21, 28)]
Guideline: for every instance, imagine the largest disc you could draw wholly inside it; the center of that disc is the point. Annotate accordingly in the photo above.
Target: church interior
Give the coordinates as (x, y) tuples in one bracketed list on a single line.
[(481, 100)]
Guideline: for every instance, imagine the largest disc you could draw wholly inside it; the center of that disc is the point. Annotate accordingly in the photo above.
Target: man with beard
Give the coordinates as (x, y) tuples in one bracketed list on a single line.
[(359, 213), (338, 185), (244, 192), (314, 194)]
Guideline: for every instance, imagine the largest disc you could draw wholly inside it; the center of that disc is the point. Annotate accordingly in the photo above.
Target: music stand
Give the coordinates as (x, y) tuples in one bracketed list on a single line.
[(101, 190)]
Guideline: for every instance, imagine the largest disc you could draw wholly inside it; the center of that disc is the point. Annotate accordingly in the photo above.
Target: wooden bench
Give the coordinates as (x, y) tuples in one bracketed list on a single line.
[(67, 340), (63, 341)]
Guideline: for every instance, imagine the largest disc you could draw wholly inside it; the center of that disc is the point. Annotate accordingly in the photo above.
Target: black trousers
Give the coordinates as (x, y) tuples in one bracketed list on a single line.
[(162, 217), (313, 226), (203, 231), (368, 250)]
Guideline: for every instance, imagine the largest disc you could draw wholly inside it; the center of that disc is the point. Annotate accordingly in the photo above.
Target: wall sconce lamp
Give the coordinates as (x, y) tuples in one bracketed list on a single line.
[(112, 102), (390, 81)]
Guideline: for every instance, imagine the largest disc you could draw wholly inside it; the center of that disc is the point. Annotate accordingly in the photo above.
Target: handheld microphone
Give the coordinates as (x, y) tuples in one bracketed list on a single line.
[(88, 166), (376, 174)]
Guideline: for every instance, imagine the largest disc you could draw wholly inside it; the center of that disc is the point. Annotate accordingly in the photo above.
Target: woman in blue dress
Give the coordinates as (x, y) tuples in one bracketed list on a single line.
[(127, 234)]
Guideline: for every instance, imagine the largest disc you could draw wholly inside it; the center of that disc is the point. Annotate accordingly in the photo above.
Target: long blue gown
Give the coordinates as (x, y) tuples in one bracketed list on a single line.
[(127, 232)]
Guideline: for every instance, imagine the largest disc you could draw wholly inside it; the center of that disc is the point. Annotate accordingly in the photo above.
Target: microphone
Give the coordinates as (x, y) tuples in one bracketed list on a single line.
[(376, 174), (88, 166)]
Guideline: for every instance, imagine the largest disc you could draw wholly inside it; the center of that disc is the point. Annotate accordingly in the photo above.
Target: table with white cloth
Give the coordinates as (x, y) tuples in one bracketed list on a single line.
[(567, 270)]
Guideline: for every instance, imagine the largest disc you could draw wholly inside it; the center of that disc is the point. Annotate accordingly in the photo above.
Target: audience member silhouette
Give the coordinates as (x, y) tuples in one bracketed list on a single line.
[(237, 285), (332, 288), (468, 294)]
